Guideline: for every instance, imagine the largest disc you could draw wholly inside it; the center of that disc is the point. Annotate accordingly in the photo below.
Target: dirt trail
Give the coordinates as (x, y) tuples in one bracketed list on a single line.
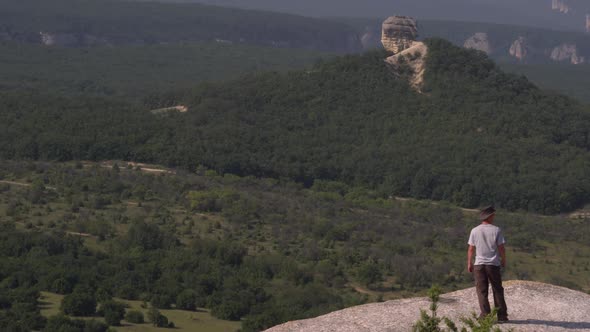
[(407, 199), (177, 108), (147, 168), (67, 232), (80, 234), (23, 184)]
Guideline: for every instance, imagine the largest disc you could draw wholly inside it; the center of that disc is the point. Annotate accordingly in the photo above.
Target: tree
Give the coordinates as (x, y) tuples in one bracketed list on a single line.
[(431, 322), (79, 303), (187, 300), (369, 273), (161, 301), (134, 316), (113, 312), (36, 192), (61, 286), (95, 326), (157, 319)]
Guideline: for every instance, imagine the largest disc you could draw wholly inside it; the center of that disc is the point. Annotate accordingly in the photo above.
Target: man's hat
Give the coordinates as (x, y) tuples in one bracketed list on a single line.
[(487, 212)]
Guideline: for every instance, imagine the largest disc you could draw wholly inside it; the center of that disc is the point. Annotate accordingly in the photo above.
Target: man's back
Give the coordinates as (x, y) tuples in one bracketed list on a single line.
[(486, 238)]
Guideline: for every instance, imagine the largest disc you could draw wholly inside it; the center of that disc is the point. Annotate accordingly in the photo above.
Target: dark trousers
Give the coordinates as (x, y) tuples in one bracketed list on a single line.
[(485, 275)]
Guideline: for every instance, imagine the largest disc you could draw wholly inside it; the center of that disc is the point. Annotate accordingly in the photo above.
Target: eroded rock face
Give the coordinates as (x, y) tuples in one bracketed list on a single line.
[(567, 52), (399, 33), (414, 58), (519, 49), (479, 41)]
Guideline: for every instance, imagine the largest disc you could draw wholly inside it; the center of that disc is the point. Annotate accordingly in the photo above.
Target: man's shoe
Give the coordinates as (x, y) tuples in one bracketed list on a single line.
[(503, 320)]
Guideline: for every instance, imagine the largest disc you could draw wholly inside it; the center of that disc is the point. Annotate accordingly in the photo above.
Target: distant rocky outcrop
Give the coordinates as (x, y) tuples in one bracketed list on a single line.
[(479, 41), (399, 33), (55, 39), (561, 6), (519, 49), (70, 39), (567, 52), (532, 306), (369, 39)]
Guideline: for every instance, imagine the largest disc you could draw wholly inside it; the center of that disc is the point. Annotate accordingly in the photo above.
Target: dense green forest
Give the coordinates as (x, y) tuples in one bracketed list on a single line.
[(570, 80), (136, 72), (475, 136), (263, 250), (109, 22)]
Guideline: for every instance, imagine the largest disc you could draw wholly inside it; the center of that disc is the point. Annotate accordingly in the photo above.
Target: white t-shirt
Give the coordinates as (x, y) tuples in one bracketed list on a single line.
[(486, 238)]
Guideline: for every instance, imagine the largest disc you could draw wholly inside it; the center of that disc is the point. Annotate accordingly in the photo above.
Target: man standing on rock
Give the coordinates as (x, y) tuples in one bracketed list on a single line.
[(487, 242)]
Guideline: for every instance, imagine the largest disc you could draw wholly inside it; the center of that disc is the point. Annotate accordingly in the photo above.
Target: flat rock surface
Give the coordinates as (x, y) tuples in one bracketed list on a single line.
[(532, 306)]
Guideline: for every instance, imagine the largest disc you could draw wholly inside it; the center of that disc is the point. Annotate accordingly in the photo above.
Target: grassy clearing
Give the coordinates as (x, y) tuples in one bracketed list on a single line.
[(200, 321)]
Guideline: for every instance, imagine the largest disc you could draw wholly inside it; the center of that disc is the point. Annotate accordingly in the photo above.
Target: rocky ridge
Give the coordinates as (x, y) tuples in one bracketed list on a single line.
[(533, 307)]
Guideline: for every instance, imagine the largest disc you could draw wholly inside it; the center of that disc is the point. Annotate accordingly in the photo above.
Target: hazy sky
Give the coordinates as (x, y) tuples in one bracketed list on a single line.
[(523, 12)]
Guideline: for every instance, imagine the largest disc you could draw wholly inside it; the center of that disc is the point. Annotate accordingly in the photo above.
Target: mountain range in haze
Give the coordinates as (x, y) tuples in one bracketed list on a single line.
[(553, 14)]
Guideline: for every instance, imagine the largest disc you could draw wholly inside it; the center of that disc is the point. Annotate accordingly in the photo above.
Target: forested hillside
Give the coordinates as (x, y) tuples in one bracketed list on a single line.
[(570, 80), (475, 136), (263, 250), (137, 72), (111, 22)]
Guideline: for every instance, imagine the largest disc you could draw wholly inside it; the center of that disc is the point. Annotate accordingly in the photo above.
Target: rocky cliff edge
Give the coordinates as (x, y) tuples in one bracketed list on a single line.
[(532, 307)]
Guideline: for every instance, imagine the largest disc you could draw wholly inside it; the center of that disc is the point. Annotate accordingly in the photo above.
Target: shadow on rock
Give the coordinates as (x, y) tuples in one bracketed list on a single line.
[(568, 325)]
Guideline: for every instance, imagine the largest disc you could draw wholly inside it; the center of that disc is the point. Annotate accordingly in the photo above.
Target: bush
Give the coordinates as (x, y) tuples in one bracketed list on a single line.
[(95, 326), (135, 317), (161, 301), (113, 312), (62, 323), (431, 322), (187, 300), (61, 286), (79, 304), (159, 320)]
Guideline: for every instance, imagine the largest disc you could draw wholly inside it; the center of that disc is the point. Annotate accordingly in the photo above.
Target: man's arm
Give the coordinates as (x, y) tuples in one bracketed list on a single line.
[(470, 252), (502, 251)]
